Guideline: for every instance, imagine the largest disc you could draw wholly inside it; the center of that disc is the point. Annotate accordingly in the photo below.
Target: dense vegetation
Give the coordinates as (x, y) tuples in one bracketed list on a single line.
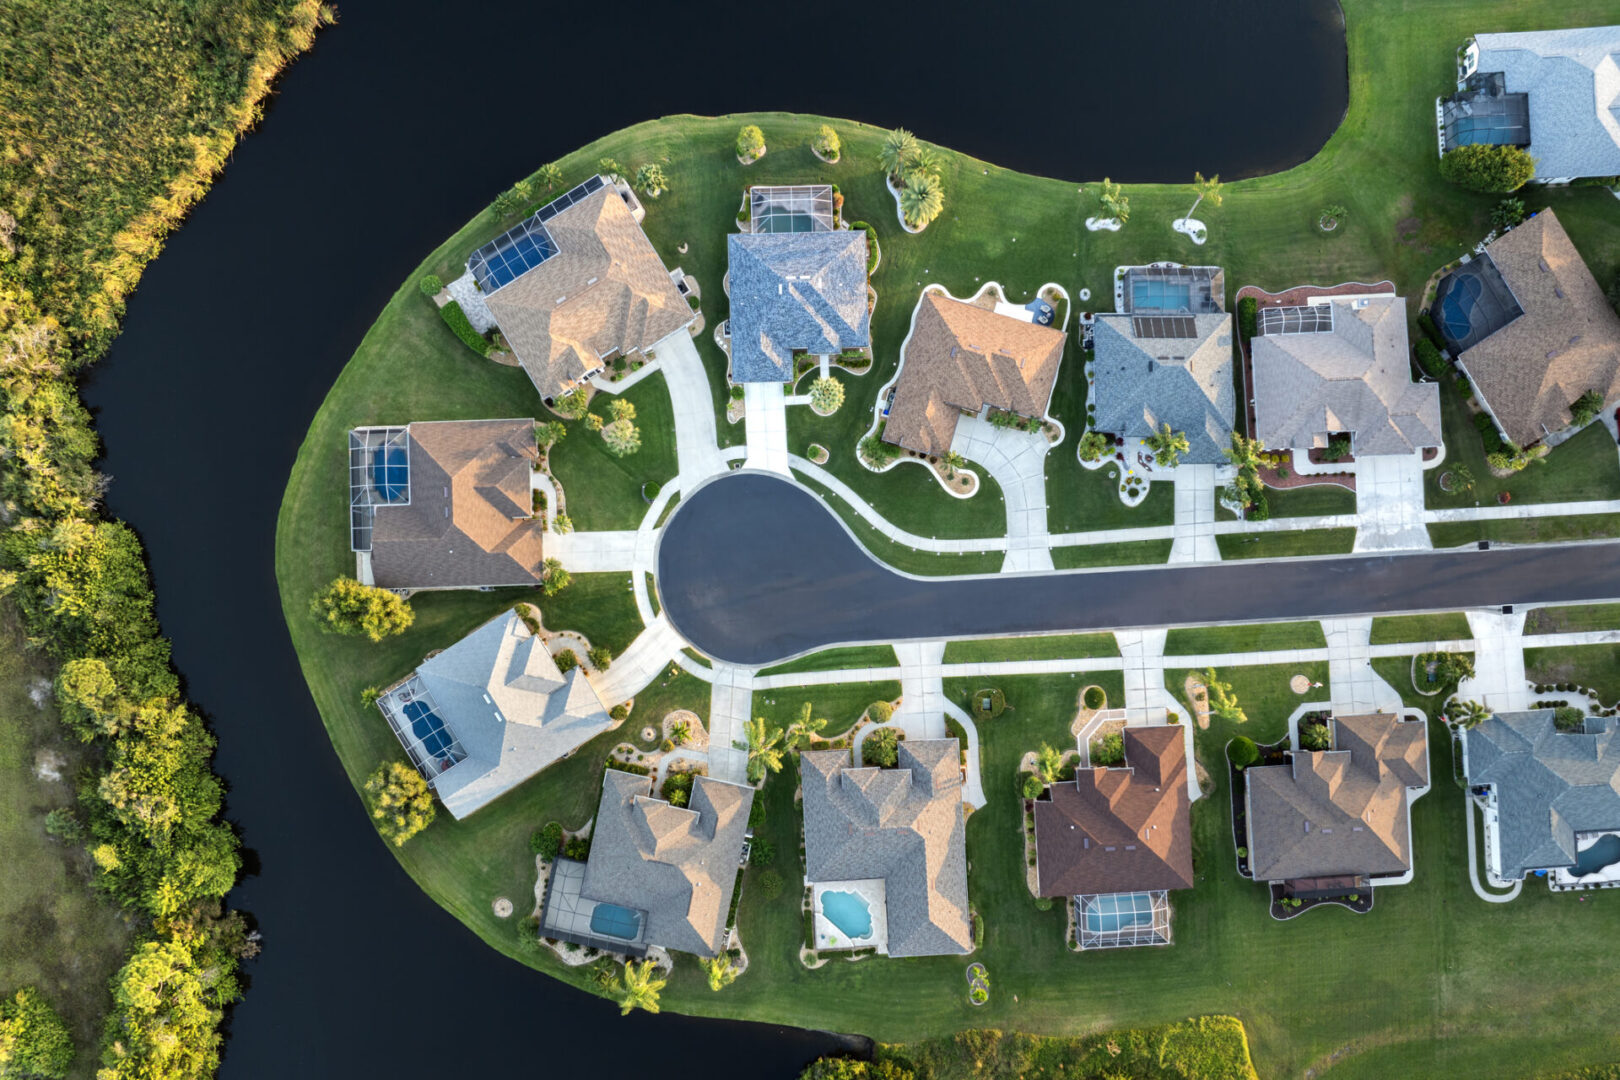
[(114, 117)]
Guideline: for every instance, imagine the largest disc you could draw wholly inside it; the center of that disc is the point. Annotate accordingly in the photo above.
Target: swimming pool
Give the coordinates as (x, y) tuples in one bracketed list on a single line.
[(1606, 852), (390, 474), (1457, 309), (779, 220), (427, 727), (1160, 296), (611, 920), (1113, 912), (849, 912)]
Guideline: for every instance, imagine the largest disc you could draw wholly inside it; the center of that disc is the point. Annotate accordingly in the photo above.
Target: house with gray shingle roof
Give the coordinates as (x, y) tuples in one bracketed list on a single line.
[(1554, 92), (1549, 790), (675, 865), (1341, 365), (794, 292), (492, 710), (903, 826), (1155, 369)]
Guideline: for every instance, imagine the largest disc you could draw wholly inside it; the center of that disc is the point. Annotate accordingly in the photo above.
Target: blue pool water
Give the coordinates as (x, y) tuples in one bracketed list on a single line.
[(390, 475), (427, 727), (1457, 308), (611, 920), (849, 912), (1160, 296), (1605, 852), (1119, 911)]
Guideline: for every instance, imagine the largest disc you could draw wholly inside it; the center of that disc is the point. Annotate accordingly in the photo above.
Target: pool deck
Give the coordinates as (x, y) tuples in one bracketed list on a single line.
[(875, 893)]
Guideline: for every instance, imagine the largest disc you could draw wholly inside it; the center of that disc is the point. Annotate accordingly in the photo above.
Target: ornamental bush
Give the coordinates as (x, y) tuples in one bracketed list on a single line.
[(456, 320), (566, 661), (827, 143), (601, 657), (882, 748), (400, 801), (547, 842), (880, 712), (34, 1040), (1030, 786), (350, 608), (430, 285), (1248, 316), (1569, 718), (1315, 736), (826, 395), (1108, 750), (1429, 359), (761, 853), (1242, 752), (1482, 167), (1095, 697), (1584, 409), (750, 142)]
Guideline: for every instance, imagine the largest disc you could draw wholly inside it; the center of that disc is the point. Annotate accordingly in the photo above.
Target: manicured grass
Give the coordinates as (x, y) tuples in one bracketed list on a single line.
[(1585, 467), (1446, 626), (1130, 553), (604, 492), (1314, 500), (1572, 618), (850, 656), (1280, 545), (1539, 530), (1397, 671), (1262, 691), (1039, 647), (1255, 637), (600, 606), (56, 933), (842, 703), (1595, 666), (902, 556)]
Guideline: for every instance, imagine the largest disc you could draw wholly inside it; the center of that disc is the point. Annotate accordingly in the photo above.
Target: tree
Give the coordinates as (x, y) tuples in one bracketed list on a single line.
[(921, 200), (593, 422), (764, 748), (550, 175), (620, 409), (400, 800), (1483, 167), (720, 970), (841, 1068), (651, 181), (1584, 409), (1115, 203), (512, 200), (1167, 446), (609, 167), (1221, 702), (622, 438), (1569, 718), (34, 1040), (563, 524), (826, 395), (348, 607), (549, 434), (750, 142), (1205, 189), (804, 729), (1093, 445), (430, 285), (1242, 752), (574, 403), (567, 660), (1031, 787), (952, 462), (1108, 750), (925, 161), (1507, 213), (898, 146), (880, 711), (601, 657), (881, 748), (1048, 763), (640, 988), (554, 577), (1468, 714), (1331, 215), (88, 698), (827, 144)]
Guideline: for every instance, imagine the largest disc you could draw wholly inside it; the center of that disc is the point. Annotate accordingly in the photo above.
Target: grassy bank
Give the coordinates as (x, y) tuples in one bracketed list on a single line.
[(1245, 638), (1283, 545), (1042, 647), (1447, 626)]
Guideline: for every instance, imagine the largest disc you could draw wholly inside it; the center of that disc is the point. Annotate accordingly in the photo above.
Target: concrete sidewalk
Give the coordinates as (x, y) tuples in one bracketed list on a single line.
[(648, 655)]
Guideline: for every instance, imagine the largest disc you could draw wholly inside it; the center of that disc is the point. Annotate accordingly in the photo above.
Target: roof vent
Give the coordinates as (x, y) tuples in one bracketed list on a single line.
[(1558, 292), (1130, 847), (560, 299), (1326, 830), (1542, 262), (1359, 304), (590, 281)]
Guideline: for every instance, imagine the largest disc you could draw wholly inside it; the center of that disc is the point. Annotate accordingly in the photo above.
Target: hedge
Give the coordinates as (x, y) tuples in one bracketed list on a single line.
[(456, 320), (1430, 360), (1430, 331), (1248, 317)]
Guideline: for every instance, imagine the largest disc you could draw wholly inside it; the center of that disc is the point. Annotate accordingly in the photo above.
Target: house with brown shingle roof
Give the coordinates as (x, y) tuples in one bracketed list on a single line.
[(591, 287), (448, 505), (1341, 365), (961, 358), (1119, 839), (1344, 814), (1550, 337)]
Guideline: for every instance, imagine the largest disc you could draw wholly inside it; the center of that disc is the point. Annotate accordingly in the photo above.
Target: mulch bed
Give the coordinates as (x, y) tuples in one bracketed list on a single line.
[(1269, 477), (1361, 905)]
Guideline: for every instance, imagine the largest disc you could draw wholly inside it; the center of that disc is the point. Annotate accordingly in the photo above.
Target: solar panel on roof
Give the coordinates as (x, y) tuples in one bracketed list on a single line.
[(525, 246), (1164, 326)]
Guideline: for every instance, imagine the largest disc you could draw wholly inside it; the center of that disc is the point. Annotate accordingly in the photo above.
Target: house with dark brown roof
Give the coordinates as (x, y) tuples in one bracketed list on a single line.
[(445, 505), (1531, 329), (572, 288), (1340, 816), (1119, 839), (962, 357)]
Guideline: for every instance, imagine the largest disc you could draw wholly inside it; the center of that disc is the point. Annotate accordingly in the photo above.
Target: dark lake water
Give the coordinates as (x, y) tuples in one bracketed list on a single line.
[(406, 119)]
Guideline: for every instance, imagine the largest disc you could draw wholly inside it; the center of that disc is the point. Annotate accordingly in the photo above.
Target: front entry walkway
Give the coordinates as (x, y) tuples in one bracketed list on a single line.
[(1389, 503), (1195, 515), (765, 413), (648, 655), (1017, 460)]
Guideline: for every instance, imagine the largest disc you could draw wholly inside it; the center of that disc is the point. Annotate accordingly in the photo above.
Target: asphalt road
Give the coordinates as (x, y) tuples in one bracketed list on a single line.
[(753, 569)]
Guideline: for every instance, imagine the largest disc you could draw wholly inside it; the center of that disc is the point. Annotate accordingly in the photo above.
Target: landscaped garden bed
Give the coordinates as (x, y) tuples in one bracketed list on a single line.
[(1284, 908)]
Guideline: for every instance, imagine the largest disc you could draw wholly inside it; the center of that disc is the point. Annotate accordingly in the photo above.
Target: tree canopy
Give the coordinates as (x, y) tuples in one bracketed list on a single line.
[(1482, 167), (400, 800), (348, 607)]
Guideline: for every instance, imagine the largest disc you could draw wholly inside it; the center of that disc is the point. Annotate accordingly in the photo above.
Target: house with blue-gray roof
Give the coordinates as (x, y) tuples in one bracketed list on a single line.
[(802, 292)]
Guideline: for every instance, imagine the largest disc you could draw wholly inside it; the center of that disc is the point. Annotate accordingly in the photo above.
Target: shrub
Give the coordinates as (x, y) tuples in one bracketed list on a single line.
[(1429, 359), (1108, 750), (574, 403), (651, 181), (1508, 213), (1242, 752), (34, 1040), (1482, 167), (761, 853), (456, 320), (621, 711), (512, 200), (877, 452), (1426, 324), (1569, 718), (400, 800), (601, 657), (1095, 697), (677, 789), (827, 143), (547, 842), (1315, 736), (578, 848), (622, 438), (1584, 409), (880, 712), (756, 815), (430, 285), (1248, 317), (566, 661), (770, 885), (826, 395), (882, 748), (872, 249), (350, 608), (554, 577), (736, 392), (750, 142), (1030, 786)]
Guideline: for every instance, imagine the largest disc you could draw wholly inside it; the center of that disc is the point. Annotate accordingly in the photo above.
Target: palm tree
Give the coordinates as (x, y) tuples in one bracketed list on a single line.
[(1167, 446), (802, 730), (764, 749), (550, 175), (720, 970), (921, 200), (1093, 445), (898, 146), (1205, 189), (925, 161), (1116, 204), (650, 180), (1467, 714), (1048, 763), (641, 987), (1243, 453), (952, 461)]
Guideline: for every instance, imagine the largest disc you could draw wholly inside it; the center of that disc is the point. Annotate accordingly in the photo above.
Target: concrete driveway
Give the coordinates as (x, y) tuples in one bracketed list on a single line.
[(1017, 460)]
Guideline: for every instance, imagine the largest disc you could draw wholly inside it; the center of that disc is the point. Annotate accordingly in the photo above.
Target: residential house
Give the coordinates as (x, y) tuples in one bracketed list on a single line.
[(1118, 840), (492, 710), (961, 358)]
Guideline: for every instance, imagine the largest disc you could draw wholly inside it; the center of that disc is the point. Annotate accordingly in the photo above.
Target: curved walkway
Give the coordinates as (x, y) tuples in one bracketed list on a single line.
[(1469, 809)]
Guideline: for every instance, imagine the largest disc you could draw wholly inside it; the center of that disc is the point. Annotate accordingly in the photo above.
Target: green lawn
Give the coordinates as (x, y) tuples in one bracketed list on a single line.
[(1315, 500), (1447, 626), (1038, 647), (849, 656), (1595, 666), (600, 606), (1397, 671), (1130, 553), (1573, 618), (841, 704), (1250, 637), (606, 492), (902, 556), (1525, 530), (1263, 692), (1585, 467), (1280, 545)]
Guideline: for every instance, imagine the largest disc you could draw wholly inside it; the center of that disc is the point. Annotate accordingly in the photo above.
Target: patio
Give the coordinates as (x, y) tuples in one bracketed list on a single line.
[(871, 893)]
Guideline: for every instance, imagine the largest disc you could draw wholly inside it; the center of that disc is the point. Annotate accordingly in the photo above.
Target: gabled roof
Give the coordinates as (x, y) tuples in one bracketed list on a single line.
[(1566, 343), (1123, 829), (1572, 78), (1354, 375), (963, 357), (903, 825), (1341, 811), (605, 291), (678, 865), (794, 291), (1550, 785), (514, 713), (467, 523), (1178, 371)]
